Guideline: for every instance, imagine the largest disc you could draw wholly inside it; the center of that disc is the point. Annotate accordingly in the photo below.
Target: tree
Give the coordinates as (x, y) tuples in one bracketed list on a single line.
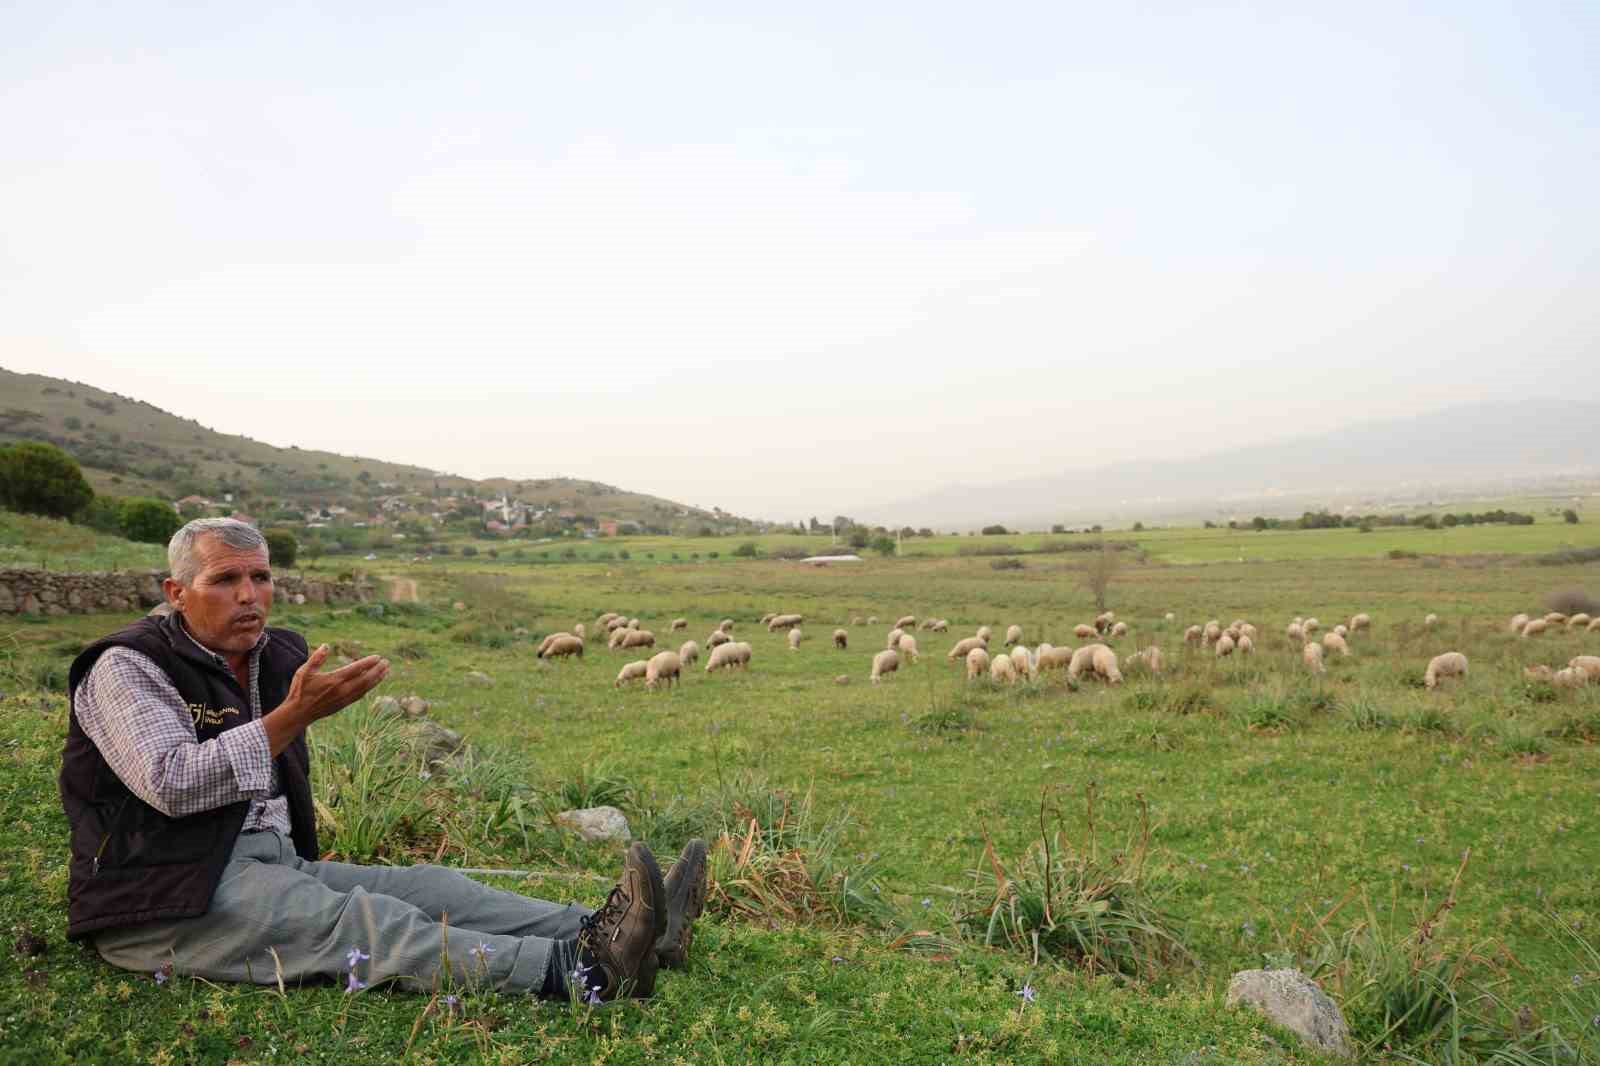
[(1099, 572), (147, 521), (748, 550), (39, 478), (1570, 516), (858, 538), (994, 531), (282, 547), (883, 545)]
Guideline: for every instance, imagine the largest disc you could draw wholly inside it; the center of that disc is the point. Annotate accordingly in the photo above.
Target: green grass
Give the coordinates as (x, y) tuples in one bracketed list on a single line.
[(31, 542), (1271, 798)]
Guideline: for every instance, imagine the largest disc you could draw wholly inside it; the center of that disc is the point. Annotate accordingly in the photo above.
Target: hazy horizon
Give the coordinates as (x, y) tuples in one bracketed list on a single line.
[(789, 264)]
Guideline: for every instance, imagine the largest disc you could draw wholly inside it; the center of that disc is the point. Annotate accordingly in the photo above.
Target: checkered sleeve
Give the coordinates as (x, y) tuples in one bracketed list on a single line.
[(129, 708)]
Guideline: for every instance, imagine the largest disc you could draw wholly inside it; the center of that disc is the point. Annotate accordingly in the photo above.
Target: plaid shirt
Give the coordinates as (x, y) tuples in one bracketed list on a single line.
[(134, 715)]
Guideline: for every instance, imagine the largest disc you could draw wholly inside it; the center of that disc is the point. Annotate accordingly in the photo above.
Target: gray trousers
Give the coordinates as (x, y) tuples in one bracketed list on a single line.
[(312, 914)]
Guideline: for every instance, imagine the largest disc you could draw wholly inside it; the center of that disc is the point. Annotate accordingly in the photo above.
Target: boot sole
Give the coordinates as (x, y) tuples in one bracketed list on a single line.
[(674, 955), (645, 983)]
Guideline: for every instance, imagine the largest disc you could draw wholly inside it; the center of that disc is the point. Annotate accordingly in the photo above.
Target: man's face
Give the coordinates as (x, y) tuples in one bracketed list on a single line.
[(226, 605)]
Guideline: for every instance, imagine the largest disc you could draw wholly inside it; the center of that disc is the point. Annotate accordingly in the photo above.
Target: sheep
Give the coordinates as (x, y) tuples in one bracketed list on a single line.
[(718, 637), (1022, 661), (963, 647), (562, 646), (616, 623), (1193, 635), (984, 633), (1169, 617), (939, 625), (885, 662), (1570, 678), (1535, 627), (872, 620), (1310, 626), (729, 655), (1578, 621), (1556, 618), (741, 653), (605, 619), (1083, 632), (1593, 626), (842, 679), (907, 622), (1233, 632), (1360, 621), (1312, 654), (1518, 621), (1105, 665), (664, 667), (579, 632), (1212, 632), (1538, 672), (633, 623), (726, 625), (894, 638), (977, 662), (1333, 642), (689, 654), (1002, 671), (634, 671), (1082, 659), (1341, 631), (1102, 621), (1050, 658), (908, 648), (1149, 659), (677, 624), (794, 639), (1295, 632), (1224, 646), (1013, 635), (546, 642), (1450, 664), (1245, 644), (1430, 621), (617, 636), (1120, 629), (784, 621), (841, 639), (765, 619), (855, 620), (1589, 664), (639, 638)]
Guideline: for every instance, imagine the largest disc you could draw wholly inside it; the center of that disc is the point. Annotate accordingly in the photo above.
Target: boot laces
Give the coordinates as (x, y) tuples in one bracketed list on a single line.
[(593, 927)]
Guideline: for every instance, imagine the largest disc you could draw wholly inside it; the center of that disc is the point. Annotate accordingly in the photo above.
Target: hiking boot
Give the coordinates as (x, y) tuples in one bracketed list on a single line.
[(686, 898), (616, 944)]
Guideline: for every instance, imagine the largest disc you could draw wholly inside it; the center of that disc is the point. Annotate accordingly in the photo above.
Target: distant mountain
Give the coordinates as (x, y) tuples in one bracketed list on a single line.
[(129, 447), (1501, 447)]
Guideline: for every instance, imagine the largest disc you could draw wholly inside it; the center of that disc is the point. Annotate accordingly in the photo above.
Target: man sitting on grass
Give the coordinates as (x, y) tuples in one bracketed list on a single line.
[(186, 782)]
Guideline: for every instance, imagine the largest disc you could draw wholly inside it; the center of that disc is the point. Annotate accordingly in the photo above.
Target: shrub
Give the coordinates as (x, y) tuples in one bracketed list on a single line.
[(1098, 574), (748, 550), (103, 514), (146, 520), (282, 548), (884, 546), (469, 551), (1572, 600), (1006, 564), (1570, 517), (995, 531), (39, 478)]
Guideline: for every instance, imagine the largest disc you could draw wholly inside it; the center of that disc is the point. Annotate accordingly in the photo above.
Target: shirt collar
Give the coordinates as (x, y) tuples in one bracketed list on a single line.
[(183, 627)]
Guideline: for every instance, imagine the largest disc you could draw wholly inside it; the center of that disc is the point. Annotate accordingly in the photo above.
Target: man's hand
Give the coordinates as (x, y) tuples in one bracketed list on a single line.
[(314, 695)]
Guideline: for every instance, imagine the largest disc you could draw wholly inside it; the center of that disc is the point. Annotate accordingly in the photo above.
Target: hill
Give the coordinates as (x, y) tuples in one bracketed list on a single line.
[(129, 447), (1493, 450)]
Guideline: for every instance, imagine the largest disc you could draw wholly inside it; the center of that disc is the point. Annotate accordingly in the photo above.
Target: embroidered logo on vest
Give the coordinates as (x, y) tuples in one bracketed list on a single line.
[(209, 716)]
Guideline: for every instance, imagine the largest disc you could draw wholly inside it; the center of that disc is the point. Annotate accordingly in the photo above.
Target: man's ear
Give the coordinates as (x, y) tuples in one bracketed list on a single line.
[(174, 592)]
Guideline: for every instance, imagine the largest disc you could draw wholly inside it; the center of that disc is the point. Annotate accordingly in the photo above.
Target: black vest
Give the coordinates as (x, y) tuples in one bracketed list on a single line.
[(130, 862)]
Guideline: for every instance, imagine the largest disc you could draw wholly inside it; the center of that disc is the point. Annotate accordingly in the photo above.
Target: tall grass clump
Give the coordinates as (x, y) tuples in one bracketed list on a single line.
[(369, 780), (1098, 910)]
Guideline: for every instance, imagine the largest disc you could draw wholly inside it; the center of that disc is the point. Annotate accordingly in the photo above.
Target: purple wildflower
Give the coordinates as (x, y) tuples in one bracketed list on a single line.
[(355, 956), (354, 983), (592, 998), (1027, 993), (482, 952), (161, 976)]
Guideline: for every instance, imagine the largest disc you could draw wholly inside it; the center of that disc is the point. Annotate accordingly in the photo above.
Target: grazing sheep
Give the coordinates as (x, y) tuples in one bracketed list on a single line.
[(633, 623), (1022, 661), (1002, 671), (1053, 658), (855, 620), (1120, 629), (1310, 626), (689, 654), (894, 638), (1103, 621), (1360, 621), (617, 637), (1340, 631), (1589, 664), (939, 626), (639, 638), (1430, 621), (872, 620), (1169, 617), (1013, 635), (605, 619), (545, 643), (1578, 621), (718, 637), (1149, 659), (579, 632), (634, 671), (1233, 633), (977, 662), (1193, 635), (1593, 626), (1083, 632), (1450, 664), (1082, 659), (766, 618), (984, 633), (1224, 647), (1570, 678), (784, 621), (741, 653), (665, 666), (885, 662), (561, 646), (677, 624), (1295, 632), (1105, 665), (907, 622), (727, 656), (965, 646), (1245, 644), (1212, 632), (726, 625), (1312, 654), (1538, 672), (616, 623), (1333, 642), (908, 648), (794, 639), (1518, 621), (842, 679), (1536, 627), (841, 639), (1556, 618)]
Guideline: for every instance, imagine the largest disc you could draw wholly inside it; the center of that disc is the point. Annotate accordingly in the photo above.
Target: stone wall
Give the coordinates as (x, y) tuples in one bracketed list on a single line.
[(51, 592)]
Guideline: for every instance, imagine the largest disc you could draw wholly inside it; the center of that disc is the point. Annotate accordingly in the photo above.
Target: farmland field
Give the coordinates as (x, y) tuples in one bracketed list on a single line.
[(1293, 819)]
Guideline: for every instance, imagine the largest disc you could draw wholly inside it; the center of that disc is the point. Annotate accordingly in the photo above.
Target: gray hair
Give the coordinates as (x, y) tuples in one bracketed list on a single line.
[(181, 557)]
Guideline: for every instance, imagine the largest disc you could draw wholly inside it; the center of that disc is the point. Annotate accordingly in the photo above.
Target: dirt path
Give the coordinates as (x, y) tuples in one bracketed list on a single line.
[(402, 590)]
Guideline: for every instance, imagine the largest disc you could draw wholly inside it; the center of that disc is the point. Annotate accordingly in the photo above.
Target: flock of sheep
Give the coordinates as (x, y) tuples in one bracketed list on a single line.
[(1095, 660)]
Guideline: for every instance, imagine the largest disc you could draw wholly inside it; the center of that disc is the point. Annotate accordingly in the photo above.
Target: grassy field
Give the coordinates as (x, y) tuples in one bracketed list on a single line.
[(1292, 820)]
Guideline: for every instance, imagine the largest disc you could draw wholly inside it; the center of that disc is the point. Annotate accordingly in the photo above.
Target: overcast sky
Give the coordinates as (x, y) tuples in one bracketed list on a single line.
[(795, 262)]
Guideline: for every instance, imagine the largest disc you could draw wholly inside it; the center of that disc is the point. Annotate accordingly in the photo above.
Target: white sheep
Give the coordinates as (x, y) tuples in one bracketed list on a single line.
[(1149, 658), (1340, 631), (1518, 621), (1450, 664), (605, 619), (1105, 665), (984, 633), (855, 620), (1211, 633), (841, 639), (1002, 671), (1103, 621), (677, 624), (579, 632), (633, 623), (965, 646), (1570, 678), (689, 654), (977, 661), (894, 638), (1312, 654), (1310, 626), (1360, 621), (1430, 621), (1022, 661), (615, 623), (1119, 630), (618, 635), (1589, 664), (784, 621), (1170, 617), (1245, 644), (639, 638), (1224, 646), (1013, 635), (908, 648), (546, 642), (1296, 632), (794, 639), (1083, 632), (1193, 635), (664, 666), (908, 621), (561, 646), (1535, 627), (726, 625), (1333, 642), (1593, 626), (1050, 658), (718, 637), (939, 625), (1578, 621), (633, 671), (1250, 631), (885, 662), (727, 656), (1556, 618)]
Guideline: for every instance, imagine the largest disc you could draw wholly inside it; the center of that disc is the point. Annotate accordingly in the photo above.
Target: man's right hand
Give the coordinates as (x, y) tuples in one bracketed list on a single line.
[(313, 695)]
